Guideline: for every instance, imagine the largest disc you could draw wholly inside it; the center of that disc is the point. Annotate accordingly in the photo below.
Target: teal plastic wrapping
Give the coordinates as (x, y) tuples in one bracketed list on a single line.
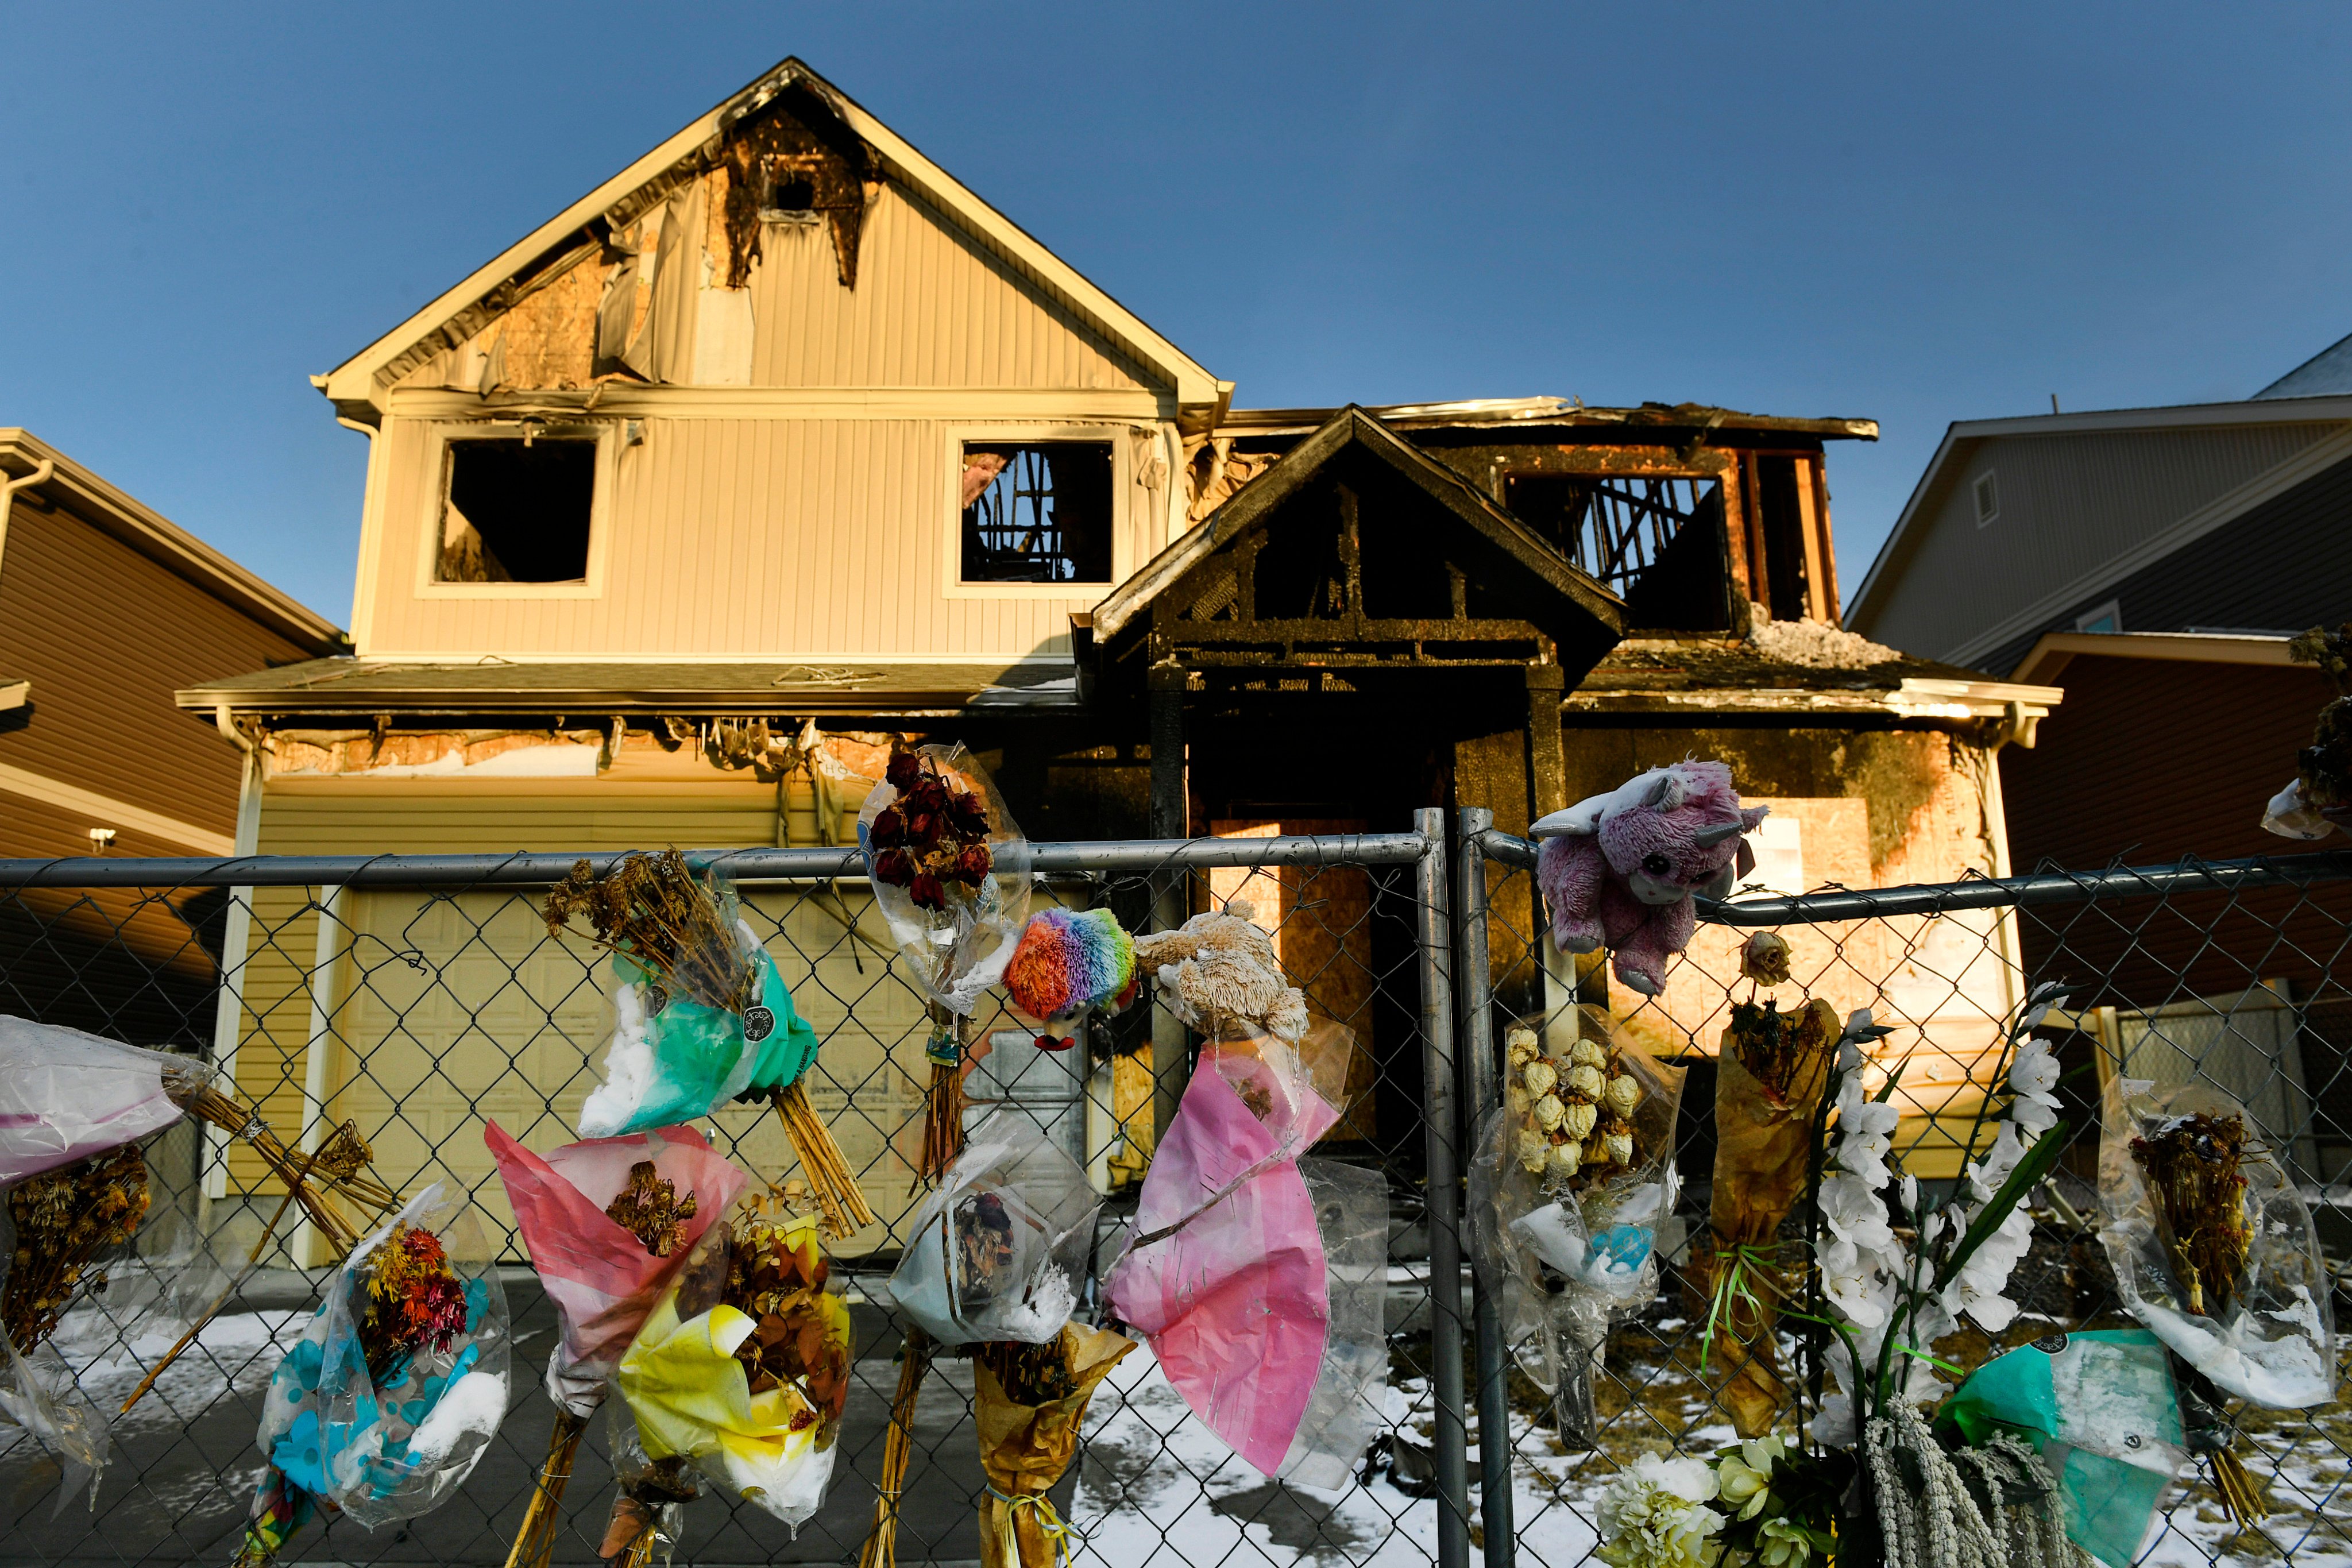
[(2100, 1407)]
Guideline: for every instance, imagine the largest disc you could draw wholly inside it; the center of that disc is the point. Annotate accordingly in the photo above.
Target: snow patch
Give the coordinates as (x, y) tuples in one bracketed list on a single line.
[(1818, 646), (475, 1402)]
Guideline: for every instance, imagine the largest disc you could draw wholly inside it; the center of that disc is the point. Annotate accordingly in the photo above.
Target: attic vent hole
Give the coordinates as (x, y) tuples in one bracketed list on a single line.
[(1988, 488)]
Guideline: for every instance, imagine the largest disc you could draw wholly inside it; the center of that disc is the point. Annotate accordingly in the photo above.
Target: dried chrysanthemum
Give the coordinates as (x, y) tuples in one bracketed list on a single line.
[(414, 1300), (650, 1209), (1030, 1374), (64, 1219), (1784, 1052)]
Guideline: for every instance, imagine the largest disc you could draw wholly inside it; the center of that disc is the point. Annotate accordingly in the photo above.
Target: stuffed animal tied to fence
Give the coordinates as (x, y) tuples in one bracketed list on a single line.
[(1620, 868)]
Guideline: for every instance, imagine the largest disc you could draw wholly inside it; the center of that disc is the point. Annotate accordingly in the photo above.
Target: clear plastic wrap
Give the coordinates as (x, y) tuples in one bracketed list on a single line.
[(1251, 1276), (753, 1279), (600, 1276), (2258, 1324), (950, 871), (999, 1251), (1572, 1244), (65, 1095), (394, 1391), (674, 1058)]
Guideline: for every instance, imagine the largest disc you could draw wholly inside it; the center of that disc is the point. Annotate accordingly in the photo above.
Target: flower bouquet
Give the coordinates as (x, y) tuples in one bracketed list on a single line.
[(700, 1016), (390, 1397), (1770, 1074), (608, 1224), (1258, 1276), (2215, 1253), (741, 1371), (1572, 1177), (1070, 964), (1029, 1402), (950, 874)]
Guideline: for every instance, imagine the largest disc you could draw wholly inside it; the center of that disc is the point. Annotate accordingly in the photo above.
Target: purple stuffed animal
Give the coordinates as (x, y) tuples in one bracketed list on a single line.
[(1621, 867)]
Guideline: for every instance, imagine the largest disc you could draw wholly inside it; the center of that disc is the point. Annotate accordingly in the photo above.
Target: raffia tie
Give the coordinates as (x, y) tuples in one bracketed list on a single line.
[(1056, 1531)]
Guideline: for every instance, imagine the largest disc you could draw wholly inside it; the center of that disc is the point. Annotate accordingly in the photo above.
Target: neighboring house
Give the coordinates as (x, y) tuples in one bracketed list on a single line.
[(783, 443), (106, 609), (2156, 561)]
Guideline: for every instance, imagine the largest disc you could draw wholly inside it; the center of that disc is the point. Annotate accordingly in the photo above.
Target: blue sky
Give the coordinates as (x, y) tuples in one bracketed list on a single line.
[(1910, 214)]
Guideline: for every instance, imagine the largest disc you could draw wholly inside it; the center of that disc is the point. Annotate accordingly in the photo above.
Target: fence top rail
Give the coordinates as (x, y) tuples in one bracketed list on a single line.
[(2041, 887), (755, 865)]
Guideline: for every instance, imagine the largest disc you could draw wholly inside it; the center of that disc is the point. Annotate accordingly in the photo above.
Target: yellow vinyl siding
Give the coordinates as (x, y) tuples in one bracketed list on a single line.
[(736, 538), (452, 1009), (931, 309)]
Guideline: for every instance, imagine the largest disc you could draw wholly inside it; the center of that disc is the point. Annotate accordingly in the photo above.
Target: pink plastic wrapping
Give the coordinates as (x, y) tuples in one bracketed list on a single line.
[(1244, 1272), (601, 1277), (65, 1096)]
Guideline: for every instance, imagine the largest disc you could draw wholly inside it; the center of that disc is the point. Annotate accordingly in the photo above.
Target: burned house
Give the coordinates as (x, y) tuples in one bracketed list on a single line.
[(783, 442)]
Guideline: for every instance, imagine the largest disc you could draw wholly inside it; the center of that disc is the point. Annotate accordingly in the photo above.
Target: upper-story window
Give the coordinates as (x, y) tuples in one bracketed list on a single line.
[(1036, 511), (517, 510), (1656, 541)]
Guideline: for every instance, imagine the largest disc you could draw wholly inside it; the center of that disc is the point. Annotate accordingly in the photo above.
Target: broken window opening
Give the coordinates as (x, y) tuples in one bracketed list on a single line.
[(1038, 513), (517, 510), (1654, 540)]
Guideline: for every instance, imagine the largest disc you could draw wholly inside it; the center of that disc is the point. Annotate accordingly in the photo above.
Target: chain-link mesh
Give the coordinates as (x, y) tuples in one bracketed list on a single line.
[(2198, 974), (421, 1011)]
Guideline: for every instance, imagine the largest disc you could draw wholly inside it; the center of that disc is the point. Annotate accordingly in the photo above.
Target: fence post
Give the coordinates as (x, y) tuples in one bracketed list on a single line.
[(1444, 1192), (1475, 987)]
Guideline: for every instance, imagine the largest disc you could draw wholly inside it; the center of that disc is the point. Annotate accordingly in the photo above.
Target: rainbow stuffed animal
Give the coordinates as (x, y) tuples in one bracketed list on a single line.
[(1068, 964)]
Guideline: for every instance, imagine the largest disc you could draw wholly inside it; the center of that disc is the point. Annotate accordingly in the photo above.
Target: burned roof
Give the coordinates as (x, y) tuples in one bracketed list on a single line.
[(1489, 412), (1730, 677)]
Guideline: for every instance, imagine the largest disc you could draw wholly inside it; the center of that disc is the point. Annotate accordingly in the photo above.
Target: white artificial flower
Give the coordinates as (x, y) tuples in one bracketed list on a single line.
[(1655, 1516), (1977, 1289), (1746, 1477), (1851, 1209), (1865, 1133), (1834, 1426), (1911, 1195), (2032, 1074), (1851, 1279)]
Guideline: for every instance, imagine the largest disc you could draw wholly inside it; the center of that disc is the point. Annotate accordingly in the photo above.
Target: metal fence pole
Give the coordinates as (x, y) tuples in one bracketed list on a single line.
[(1445, 1193), (1476, 989)]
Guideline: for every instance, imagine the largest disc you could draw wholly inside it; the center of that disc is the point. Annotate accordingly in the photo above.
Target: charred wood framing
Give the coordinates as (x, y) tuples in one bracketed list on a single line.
[(793, 155)]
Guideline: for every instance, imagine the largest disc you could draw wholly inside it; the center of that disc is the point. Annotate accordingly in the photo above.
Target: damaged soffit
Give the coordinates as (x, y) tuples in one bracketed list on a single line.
[(358, 387)]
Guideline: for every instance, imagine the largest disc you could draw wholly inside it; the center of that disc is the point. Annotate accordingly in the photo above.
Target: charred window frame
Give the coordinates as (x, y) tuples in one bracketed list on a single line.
[(1792, 559), (518, 509), (1656, 541), (1038, 513)]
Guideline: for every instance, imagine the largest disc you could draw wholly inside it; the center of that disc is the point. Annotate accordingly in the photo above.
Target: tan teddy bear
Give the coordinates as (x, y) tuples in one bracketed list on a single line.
[(1219, 973)]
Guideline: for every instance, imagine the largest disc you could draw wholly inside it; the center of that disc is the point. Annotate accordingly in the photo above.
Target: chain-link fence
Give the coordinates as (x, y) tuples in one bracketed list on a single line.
[(420, 997), (2237, 974)]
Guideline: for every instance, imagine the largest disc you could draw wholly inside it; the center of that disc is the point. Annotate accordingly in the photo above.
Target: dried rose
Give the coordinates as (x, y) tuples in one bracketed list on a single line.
[(1624, 1093), (1533, 1150), (1578, 1121), (1541, 1078), (895, 866), (968, 815), (904, 769), (1567, 1159), (972, 867), (1616, 1145), (889, 828), (1588, 1053), (1585, 1080), (926, 892), (1550, 1113), (1765, 959)]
